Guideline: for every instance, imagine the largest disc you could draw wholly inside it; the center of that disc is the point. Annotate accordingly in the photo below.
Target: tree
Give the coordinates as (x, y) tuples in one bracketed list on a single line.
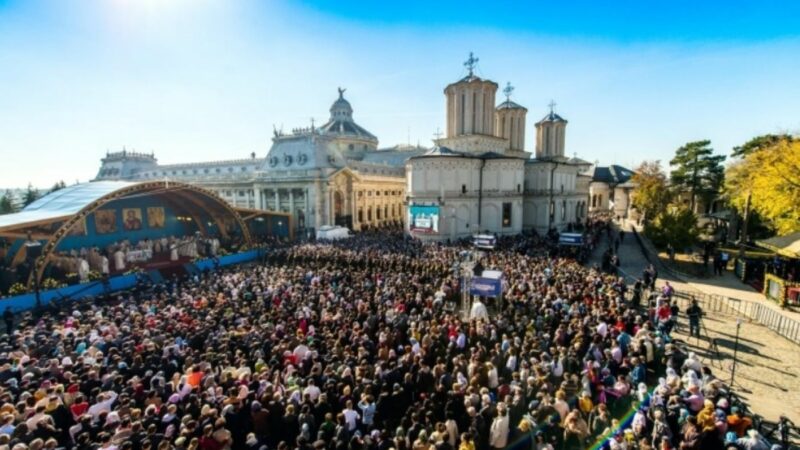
[(7, 203), (759, 143), (698, 171), (30, 196), (57, 186), (770, 176), (651, 194), (674, 227)]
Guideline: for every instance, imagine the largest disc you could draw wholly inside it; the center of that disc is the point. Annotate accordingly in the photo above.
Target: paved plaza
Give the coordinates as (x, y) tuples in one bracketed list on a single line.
[(766, 371)]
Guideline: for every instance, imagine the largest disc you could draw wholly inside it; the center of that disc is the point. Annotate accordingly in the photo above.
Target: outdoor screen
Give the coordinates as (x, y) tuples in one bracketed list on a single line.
[(423, 219)]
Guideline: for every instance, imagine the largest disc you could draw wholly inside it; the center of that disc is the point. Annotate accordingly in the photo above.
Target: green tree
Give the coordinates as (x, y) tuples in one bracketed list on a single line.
[(7, 203), (675, 227), (760, 143), (651, 195), (698, 171), (57, 186), (30, 196)]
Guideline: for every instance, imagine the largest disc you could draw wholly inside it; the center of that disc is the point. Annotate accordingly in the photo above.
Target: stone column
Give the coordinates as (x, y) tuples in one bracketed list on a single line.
[(319, 204), (257, 192), (291, 206)]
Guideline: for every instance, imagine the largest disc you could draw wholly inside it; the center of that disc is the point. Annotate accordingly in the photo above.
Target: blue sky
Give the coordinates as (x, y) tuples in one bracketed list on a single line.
[(196, 80)]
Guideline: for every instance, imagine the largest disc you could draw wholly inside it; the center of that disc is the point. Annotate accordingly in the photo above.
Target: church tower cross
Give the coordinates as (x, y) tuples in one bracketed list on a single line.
[(471, 63), (508, 90)]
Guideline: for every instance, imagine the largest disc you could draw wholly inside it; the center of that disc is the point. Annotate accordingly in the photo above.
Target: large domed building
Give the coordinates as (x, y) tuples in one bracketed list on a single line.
[(479, 177)]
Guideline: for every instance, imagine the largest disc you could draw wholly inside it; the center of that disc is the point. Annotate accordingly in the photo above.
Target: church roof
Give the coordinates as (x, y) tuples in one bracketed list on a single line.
[(347, 128), (508, 104), (612, 174), (440, 151), (551, 117)]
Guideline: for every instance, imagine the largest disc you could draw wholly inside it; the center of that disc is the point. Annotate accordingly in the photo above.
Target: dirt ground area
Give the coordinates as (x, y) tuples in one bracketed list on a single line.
[(767, 369)]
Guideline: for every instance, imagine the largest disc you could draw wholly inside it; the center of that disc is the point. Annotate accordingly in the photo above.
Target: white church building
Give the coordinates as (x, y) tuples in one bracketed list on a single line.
[(480, 179)]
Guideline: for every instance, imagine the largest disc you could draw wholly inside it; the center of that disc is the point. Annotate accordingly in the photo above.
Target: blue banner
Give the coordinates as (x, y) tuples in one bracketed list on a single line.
[(570, 239), (485, 287)]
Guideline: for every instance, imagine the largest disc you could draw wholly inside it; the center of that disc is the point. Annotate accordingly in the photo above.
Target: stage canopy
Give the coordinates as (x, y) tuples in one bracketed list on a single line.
[(97, 213), (788, 245)]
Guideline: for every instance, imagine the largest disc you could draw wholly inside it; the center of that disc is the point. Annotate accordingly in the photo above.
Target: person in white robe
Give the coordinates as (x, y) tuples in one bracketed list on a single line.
[(83, 270), (478, 310), (119, 260)]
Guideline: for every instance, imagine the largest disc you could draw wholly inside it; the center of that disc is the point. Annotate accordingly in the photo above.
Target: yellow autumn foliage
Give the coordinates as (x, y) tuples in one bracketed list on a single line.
[(772, 176)]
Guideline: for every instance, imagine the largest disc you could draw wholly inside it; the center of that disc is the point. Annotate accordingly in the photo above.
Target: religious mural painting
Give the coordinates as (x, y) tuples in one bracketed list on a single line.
[(132, 218), (78, 229), (105, 221), (155, 217)]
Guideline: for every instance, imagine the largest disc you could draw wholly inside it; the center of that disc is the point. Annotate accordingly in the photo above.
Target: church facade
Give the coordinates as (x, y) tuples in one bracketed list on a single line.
[(477, 178), (480, 179)]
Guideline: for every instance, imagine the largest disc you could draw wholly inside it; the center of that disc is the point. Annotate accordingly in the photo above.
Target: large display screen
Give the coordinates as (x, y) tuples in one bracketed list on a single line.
[(423, 219)]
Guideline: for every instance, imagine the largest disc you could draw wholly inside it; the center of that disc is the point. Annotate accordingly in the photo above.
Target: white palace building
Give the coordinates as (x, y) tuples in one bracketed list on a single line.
[(477, 178)]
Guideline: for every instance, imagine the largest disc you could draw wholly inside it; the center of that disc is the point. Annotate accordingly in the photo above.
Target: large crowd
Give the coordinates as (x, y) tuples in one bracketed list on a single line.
[(352, 346)]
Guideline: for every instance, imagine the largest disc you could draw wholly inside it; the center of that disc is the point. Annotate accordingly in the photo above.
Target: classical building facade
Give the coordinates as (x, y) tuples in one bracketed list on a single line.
[(479, 178), (331, 174)]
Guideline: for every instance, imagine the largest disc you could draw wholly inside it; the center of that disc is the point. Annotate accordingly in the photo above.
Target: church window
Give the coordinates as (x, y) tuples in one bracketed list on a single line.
[(563, 210), (547, 140), (474, 112), (519, 188), (562, 188), (194, 171), (369, 214), (360, 215), (365, 146), (241, 193), (463, 113), (205, 171), (360, 194), (219, 170), (350, 147), (506, 215), (183, 172), (463, 188), (230, 169), (386, 212), (244, 169)]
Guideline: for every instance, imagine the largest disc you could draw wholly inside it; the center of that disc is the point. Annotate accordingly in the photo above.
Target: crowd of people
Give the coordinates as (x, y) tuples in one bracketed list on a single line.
[(349, 346)]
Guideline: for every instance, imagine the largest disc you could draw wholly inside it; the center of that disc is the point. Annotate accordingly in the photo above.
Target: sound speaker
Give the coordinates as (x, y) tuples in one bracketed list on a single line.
[(33, 250)]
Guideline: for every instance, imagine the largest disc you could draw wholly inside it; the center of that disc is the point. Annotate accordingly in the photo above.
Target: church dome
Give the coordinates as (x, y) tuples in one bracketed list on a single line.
[(341, 109), (341, 121)]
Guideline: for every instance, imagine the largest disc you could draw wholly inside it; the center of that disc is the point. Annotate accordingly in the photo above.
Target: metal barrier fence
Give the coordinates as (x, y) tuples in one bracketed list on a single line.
[(752, 311), (748, 310)]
